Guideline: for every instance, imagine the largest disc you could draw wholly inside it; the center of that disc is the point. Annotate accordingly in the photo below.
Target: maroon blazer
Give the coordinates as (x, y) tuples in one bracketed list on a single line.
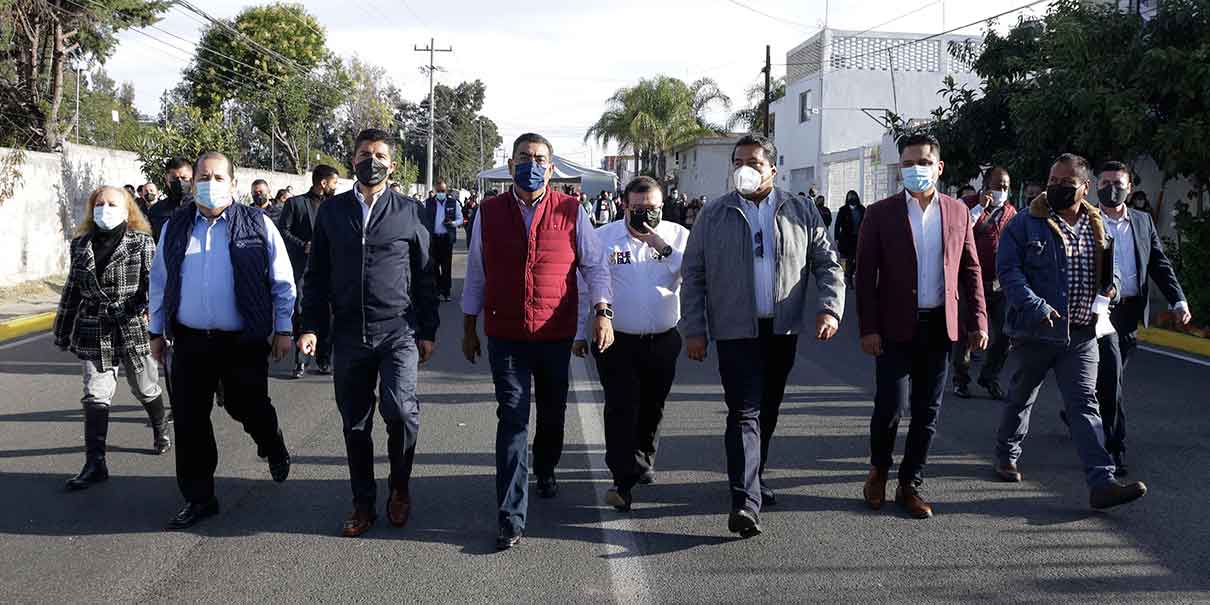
[(886, 270)]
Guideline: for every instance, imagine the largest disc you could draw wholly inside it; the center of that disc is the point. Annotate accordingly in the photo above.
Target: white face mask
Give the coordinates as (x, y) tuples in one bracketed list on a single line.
[(999, 197), (747, 180), (212, 194), (108, 217)]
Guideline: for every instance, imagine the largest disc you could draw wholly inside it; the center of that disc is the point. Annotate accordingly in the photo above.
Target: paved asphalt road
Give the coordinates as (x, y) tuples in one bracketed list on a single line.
[(1033, 541)]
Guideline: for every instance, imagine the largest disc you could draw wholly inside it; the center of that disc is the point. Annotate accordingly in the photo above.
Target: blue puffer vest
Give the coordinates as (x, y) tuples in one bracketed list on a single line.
[(249, 249)]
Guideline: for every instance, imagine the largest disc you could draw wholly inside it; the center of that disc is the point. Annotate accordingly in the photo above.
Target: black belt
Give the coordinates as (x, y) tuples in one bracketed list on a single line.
[(186, 330), (922, 314), (651, 336)]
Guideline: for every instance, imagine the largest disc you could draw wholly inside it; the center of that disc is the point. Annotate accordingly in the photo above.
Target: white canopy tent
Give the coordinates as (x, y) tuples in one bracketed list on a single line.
[(591, 180)]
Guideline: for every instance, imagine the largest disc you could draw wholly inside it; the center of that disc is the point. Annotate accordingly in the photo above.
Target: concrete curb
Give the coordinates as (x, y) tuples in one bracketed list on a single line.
[(1176, 340), (16, 328)]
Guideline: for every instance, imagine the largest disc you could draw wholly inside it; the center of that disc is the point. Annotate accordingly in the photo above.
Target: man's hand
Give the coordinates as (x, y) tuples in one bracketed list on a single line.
[(579, 348), (1183, 316), (306, 344), (651, 238), (157, 349), (425, 347), (1051, 318), (826, 326), (307, 248), (602, 331), (871, 344), (470, 345), (695, 348), (281, 346), (978, 341)]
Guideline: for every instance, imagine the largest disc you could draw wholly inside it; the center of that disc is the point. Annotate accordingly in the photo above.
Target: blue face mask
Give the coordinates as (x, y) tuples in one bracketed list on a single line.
[(529, 176), (917, 179), (441, 196), (212, 195)]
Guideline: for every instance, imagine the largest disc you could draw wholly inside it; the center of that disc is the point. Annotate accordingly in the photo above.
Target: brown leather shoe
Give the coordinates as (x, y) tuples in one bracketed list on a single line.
[(357, 523), (875, 488), (1115, 493), (909, 498), (399, 507), (1008, 472)]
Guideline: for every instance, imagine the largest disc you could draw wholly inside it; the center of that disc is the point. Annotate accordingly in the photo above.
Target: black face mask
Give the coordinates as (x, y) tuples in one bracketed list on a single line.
[(371, 172), (176, 189), (645, 219), (851, 201), (1061, 197), (258, 199), (1111, 196)]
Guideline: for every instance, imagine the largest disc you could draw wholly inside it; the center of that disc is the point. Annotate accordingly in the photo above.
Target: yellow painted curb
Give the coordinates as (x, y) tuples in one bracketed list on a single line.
[(1176, 340), (16, 328)]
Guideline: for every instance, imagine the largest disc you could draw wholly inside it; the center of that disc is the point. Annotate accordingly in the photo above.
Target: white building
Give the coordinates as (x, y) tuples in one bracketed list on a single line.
[(839, 86), (704, 166)]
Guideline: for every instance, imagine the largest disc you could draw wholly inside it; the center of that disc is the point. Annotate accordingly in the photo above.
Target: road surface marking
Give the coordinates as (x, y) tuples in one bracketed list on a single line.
[(1200, 362), (17, 343), (626, 571)]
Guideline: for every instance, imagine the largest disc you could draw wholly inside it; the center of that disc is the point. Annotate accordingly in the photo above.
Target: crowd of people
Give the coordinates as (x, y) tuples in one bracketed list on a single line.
[(213, 289)]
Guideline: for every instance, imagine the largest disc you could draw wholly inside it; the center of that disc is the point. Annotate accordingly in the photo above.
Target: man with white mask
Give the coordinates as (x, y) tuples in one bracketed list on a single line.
[(222, 291), (744, 276), (989, 216)]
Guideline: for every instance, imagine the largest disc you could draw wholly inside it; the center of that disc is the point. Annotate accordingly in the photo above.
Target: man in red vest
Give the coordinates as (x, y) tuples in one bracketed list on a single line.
[(526, 247)]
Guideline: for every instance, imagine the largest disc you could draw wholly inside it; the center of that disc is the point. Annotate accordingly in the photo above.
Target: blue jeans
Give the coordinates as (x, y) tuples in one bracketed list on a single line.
[(1075, 367), (390, 361), (514, 363)]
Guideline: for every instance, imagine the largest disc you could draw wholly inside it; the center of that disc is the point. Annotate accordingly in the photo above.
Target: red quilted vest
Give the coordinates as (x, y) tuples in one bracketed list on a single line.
[(530, 294)]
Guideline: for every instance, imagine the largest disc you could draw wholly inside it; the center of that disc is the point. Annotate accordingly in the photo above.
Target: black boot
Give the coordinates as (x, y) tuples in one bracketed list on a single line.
[(158, 415), (96, 426)]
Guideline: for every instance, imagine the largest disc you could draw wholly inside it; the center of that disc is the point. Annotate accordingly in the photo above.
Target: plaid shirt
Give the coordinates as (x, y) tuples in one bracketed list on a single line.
[(1081, 267)]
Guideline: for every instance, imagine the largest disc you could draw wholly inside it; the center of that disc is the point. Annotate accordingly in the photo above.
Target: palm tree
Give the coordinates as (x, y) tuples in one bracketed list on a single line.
[(752, 118), (657, 115)]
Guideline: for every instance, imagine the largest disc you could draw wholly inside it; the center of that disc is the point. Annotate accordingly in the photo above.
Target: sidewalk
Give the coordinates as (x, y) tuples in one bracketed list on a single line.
[(29, 307)]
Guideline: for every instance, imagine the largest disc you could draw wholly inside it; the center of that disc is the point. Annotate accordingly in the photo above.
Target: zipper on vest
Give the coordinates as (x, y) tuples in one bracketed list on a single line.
[(364, 337)]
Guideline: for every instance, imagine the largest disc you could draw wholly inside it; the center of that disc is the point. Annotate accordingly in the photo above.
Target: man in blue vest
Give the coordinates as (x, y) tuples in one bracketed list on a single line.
[(370, 271), (222, 291)]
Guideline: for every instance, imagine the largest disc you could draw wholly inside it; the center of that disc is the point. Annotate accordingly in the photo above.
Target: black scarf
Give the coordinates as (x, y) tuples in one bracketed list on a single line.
[(103, 245)]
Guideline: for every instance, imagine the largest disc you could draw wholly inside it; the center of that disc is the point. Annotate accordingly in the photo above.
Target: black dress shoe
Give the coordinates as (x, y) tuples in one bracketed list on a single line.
[(993, 389), (324, 368), (962, 390), (299, 372), (547, 486), (620, 500), (1119, 465), (507, 538), (647, 478), (192, 513), (279, 468), (744, 522), (94, 471)]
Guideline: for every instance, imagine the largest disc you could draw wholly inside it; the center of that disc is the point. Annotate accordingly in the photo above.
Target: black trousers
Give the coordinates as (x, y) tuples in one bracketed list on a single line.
[(389, 361), (997, 348), (200, 361), (443, 261), (753, 372), (636, 374), (1116, 351), (910, 373)]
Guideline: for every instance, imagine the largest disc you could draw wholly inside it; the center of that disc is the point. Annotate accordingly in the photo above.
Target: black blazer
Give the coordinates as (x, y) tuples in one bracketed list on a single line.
[(1153, 264), (431, 218), (297, 224)]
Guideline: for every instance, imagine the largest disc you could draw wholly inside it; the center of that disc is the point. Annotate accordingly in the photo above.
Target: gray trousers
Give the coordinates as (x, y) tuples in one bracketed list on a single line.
[(99, 386), (1075, 367)]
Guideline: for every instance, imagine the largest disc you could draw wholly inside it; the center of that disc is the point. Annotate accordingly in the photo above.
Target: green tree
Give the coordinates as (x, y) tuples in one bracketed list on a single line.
[(458, 125), (100, 96), (752, 117), (657, 115), (186, 132), (38, 38)]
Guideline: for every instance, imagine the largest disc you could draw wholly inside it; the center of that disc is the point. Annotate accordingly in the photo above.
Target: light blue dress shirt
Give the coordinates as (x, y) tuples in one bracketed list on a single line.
[(208, 280)]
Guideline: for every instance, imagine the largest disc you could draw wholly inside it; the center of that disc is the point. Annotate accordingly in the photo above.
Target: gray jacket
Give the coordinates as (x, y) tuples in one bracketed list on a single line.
[(718, 295)]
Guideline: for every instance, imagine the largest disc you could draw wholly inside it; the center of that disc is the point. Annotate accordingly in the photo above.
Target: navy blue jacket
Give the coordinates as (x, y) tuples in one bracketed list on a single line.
[(373, 279), (1031, 263)]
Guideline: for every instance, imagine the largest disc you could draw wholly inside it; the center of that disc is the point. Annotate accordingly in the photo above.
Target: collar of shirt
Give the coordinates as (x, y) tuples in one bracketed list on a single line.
[(365, 208), (198, 216), (522, 202), (1068, 228), (914, 204)]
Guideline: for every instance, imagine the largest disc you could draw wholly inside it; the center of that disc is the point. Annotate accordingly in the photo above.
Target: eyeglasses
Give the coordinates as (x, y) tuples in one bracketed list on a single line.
[(760, 244)]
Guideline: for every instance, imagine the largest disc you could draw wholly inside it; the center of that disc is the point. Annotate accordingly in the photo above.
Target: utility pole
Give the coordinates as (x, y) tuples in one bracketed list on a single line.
[(431, 50), (77, 118), (768, 72)]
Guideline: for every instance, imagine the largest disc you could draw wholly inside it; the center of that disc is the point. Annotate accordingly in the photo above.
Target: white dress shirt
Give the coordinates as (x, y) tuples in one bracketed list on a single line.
[(590, 260), (760, 222), (930, 253), (1123, 252), (439, 227), (646, 286), (365, 208)]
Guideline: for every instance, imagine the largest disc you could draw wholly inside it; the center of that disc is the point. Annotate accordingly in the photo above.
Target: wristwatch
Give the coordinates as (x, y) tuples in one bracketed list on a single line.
[(607, 313), (666, 251)]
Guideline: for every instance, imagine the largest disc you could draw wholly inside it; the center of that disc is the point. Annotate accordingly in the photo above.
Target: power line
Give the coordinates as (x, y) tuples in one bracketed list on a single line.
[(773, 17)]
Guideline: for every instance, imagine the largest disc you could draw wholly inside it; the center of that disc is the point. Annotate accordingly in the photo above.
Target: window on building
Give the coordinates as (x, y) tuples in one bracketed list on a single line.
[(804, 106)]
